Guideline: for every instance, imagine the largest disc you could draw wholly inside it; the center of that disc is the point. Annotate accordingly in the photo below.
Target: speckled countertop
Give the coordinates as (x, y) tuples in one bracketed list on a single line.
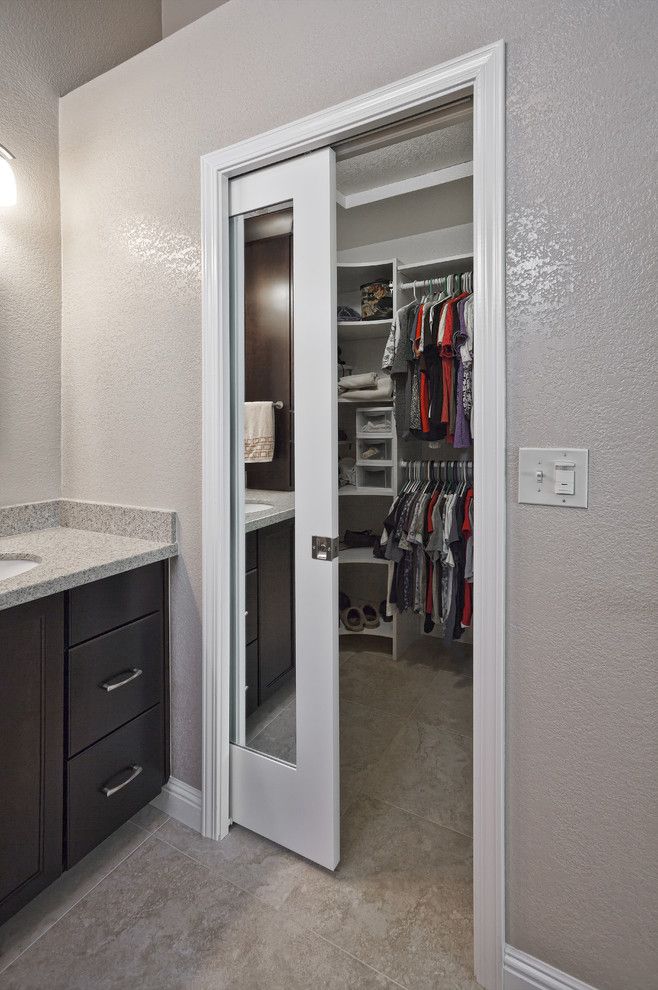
[(77, 543), (283, 507)]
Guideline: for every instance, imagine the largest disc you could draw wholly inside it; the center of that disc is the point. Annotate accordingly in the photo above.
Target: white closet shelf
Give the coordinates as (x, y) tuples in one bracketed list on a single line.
[(353, 490), (373, 462), (363, 329), (366, 402), (384, 629), (353, 274), (435, 266), (359, 555)]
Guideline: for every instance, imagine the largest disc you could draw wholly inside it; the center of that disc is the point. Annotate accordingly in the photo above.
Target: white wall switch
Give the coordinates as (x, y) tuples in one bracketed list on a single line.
[(553, 476)]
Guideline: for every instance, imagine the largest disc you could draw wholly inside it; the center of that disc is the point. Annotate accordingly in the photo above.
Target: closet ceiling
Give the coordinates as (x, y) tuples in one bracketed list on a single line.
[(416, 156)]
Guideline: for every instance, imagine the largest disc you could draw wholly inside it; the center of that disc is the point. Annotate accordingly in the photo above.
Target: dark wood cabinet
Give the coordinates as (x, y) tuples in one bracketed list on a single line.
[(276, 549), (84, 722), (116, 703), (31, 749), (270, 619)]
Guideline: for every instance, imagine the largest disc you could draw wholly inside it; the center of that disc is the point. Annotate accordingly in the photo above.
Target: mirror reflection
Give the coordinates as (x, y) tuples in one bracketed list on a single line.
[(265, 245)]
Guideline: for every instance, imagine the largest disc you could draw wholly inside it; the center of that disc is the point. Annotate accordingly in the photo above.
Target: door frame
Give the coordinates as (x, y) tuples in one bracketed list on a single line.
[(484, 71)]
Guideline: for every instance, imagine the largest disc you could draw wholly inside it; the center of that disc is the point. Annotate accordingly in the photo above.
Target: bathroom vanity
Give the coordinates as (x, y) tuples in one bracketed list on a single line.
[(269, 595), (84, 722)]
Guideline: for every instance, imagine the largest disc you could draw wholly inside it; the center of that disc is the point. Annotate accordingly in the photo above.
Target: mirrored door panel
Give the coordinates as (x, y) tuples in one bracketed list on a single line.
[(262, 252), (284, 688)]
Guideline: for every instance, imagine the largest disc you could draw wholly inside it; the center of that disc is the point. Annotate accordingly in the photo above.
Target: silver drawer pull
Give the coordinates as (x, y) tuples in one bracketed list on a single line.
[(133, 771), (120, 679)]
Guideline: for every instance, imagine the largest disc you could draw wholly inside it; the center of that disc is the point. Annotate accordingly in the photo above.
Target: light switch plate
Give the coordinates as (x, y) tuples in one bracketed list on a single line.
[(537, 476)]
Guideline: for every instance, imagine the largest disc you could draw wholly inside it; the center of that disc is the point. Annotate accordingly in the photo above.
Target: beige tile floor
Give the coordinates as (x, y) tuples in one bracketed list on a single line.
[(158, 906)]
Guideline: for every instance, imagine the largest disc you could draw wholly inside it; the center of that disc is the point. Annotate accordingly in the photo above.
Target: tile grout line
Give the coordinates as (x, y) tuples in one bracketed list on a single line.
[(149, 831), (290, 918), (57, 920), (356, 959), (273, 719), (414, 814)]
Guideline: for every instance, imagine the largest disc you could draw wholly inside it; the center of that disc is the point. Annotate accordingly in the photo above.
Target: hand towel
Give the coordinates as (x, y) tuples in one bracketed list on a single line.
[(258, 432)]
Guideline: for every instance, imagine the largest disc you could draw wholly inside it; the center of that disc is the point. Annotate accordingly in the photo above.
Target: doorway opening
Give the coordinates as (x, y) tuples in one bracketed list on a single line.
[(354, 383)]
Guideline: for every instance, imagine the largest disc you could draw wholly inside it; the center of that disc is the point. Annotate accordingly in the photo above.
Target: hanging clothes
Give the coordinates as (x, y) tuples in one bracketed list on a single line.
[(429, 355), (428, 537)]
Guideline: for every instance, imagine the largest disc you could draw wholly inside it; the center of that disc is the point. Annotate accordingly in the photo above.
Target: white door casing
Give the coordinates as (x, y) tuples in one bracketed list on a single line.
[(483, 71)]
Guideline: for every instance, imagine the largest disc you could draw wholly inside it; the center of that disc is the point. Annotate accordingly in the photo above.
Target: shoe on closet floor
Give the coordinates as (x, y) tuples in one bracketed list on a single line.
[(353, 619), (370, 617)]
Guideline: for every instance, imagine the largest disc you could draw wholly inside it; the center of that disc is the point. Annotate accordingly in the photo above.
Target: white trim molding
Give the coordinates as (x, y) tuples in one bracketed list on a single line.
[(180, 801), (483, 73), (524, 972)]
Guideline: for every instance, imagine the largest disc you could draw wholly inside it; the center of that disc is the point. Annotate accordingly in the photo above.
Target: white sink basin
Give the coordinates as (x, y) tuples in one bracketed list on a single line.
[(250, 507), (10, 567)]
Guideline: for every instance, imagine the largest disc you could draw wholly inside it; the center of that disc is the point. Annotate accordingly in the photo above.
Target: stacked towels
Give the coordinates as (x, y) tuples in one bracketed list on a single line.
[(367, 387)]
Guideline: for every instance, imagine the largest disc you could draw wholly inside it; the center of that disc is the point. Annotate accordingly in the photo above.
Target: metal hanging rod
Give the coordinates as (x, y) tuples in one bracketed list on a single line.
[(423, 282), (447, 470)]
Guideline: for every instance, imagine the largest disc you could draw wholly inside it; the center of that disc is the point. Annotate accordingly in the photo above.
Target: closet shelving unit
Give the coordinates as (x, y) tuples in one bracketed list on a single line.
[(435, 267), (362, 343)]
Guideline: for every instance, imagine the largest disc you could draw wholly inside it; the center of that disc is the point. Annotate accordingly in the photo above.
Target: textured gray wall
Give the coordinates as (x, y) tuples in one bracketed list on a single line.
[(581, 358), (177, 14), (47, 47)]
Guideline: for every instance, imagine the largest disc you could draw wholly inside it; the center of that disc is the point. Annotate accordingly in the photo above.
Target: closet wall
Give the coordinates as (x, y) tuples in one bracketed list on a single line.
[(581, 218)]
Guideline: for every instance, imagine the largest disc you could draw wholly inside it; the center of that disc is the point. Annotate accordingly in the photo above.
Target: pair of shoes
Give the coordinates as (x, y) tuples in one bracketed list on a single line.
[(356, 619), (382, 612)]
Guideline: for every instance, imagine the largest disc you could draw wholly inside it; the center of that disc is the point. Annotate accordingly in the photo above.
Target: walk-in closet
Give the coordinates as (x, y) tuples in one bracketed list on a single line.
[(406, 356)]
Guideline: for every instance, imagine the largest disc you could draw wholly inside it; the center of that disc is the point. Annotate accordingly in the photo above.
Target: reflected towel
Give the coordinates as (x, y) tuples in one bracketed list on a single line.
[(258, 432)]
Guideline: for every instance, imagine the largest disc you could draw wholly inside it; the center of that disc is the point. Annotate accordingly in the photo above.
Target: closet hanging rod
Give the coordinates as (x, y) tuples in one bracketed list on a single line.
[(429, 460), (422, 282)]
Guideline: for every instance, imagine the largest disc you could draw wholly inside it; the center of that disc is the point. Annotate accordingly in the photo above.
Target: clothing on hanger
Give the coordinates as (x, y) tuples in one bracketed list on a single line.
[(428, 536), (429, 355)]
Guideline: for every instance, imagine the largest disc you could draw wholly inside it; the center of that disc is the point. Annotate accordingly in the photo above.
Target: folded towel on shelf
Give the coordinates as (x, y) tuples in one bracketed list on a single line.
[(382, 390), (366, 380), (258, 432)]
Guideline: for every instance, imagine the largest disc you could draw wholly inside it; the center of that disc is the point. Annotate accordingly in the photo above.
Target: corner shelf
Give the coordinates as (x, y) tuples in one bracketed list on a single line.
[(353, 490), (384, 629), (359, 555), (363, 329), (434, 266)]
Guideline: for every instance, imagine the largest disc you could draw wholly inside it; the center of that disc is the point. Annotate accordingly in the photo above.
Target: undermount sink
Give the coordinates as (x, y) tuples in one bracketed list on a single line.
[(257, 507), (12, 566)]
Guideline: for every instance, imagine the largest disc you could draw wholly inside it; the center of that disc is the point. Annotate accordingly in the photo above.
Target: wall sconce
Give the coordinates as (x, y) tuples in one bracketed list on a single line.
[(7, 178)]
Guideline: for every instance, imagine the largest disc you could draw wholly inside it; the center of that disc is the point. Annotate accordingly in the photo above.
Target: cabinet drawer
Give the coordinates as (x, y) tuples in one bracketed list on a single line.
[(251, 551), (135, 751), (251, 605), (96, 608), (113, 678)]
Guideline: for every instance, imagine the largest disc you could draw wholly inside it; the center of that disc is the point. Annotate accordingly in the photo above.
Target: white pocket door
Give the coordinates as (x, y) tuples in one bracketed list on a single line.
[(284, 764)]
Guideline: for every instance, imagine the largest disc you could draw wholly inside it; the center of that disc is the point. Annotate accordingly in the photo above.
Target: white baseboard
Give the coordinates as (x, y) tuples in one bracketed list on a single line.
[(524, 972), (180, 801)]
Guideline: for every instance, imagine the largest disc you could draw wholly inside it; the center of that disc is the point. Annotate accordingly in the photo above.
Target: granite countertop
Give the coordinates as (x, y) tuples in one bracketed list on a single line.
[(77, 543), (283, 507)]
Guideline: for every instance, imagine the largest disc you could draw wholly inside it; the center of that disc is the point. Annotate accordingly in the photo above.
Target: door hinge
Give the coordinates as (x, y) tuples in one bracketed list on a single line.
[(324, 547)]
